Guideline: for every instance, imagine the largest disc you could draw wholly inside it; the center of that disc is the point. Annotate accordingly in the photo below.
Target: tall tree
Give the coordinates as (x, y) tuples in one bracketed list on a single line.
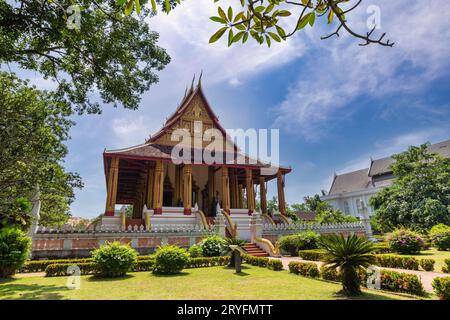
[(85, 46), (266, 21), (33, 129), (420, 194)]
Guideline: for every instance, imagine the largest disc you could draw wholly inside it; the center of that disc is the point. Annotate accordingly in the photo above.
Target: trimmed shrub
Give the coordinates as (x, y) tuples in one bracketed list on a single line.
[(329, 273), (113, 259), (144, 265), (446, 268), (305, 269), (441, 287), (401, 282), (60, 269), (405, 241), (170, 259), (195, 251), (393, 261), (427, 264), (208, 262), (256, 261), (440, 236), (275, 264), (41, 265), (301, 241), (14, 249), (213, 246), (313, 254), (381, 247)]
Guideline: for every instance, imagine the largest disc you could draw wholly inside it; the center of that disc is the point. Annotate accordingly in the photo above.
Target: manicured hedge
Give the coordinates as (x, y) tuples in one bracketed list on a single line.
[(401, 282), (313, 255), (329, 273), (441, 287), (305, 269), (256, 261), (393, 261), (275, 265), (208, 262), (60, 269), (446, 268), (40, 265), (427, 264), (382, 247)]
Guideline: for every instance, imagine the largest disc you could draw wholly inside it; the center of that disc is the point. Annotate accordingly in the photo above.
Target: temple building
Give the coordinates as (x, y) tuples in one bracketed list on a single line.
[(166, 187)]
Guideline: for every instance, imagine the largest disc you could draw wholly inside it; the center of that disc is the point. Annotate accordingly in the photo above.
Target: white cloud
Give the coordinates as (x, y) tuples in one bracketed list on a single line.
[(344, 70)]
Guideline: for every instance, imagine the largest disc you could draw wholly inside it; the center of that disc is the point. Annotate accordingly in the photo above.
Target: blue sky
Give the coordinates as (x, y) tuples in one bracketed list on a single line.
[(336, 103)]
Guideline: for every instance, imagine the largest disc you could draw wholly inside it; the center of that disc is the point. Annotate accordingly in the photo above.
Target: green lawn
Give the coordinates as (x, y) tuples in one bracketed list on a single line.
[(433, 253), (201, 283)]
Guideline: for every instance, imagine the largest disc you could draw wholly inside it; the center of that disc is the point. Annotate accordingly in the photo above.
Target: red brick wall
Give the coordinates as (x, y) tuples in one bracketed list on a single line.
[(48, 244), (179, 241), (149, 242), (84, 243)]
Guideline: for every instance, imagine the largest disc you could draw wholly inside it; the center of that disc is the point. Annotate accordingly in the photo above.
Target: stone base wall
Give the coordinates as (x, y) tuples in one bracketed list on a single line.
[(80, 245)]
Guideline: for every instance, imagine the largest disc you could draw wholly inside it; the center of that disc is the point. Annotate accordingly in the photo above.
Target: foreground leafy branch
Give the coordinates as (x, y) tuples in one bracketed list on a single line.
[(265, 21)]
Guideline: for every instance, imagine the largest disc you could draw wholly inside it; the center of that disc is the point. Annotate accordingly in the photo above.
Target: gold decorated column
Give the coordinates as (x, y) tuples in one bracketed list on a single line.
[(177, 195), (150, 184), (111, 192), (225, 190), (281, 198), (241, 196), (262, 194), (250, 191), (233, 197), (211, 190), (158, 187), (187, 189)]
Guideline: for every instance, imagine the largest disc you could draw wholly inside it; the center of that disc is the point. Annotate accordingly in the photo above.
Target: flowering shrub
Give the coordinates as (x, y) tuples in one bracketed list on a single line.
[(313, 254), (440, 236), (275, 265), (441, 286), (329, 273), (401, 282), (405, 241)]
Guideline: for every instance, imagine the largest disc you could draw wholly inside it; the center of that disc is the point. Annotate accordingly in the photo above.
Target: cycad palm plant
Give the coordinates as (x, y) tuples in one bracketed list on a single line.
[(349, 254)]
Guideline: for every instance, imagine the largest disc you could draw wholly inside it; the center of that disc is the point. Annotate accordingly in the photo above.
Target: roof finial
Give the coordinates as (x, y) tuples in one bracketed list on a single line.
[(185, 92), (200, 79), (192, 84)]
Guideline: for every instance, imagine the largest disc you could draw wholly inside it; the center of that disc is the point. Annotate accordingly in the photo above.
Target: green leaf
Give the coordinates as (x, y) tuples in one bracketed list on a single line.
[(138, 7), (216, 36), (218, 19), (275, 37), (129, 8), (167, 6), (238, 36), (230, 13), (312, 19), (330, 16), (230, 37), (259, 8), (268, 41), (153, 5), (281, 32), (245, 37), (222, 13), (284, 13), (304, 21)]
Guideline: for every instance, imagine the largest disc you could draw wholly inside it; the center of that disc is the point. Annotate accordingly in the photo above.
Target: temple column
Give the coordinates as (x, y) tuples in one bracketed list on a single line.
[(158, 187), (233, 198), (177, 196), (250, 191), (225, 190), (262, 194), (281, 198), (111, 192), (150, 183), (241, 196), (211, 190), (187, 189)]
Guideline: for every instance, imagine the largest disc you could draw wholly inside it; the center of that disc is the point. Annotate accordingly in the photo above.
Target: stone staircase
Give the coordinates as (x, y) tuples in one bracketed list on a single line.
[(253, 250)]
